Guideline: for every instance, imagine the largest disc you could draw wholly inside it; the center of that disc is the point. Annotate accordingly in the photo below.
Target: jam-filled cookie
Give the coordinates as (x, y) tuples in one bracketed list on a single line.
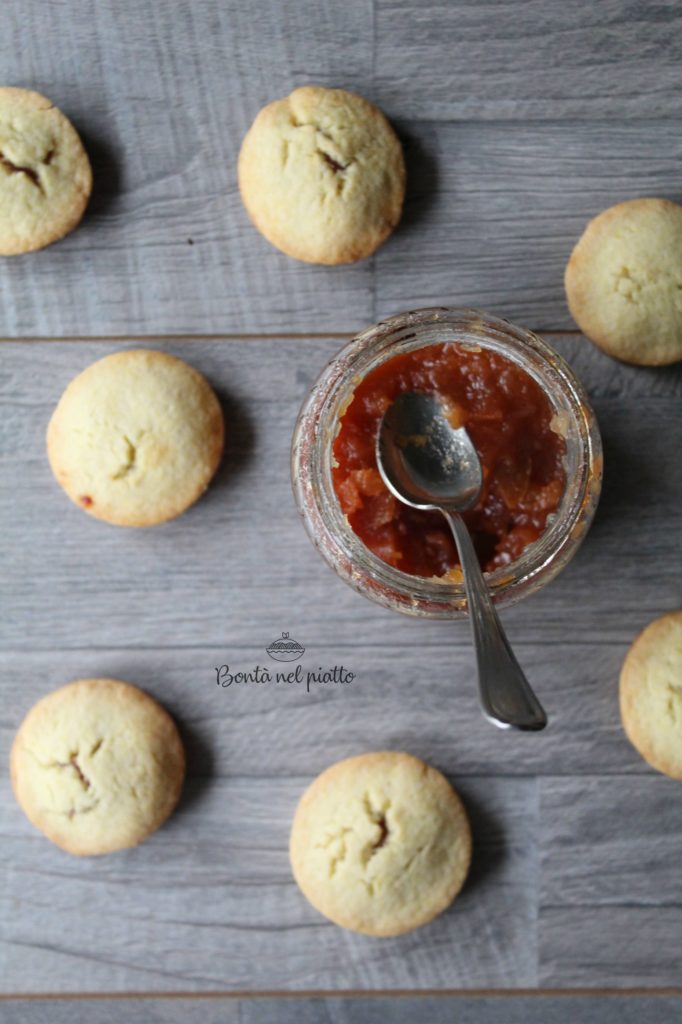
[(651, 694), (322, 175), (624, 281), (136, 437), (97, 766), (45, 174), (380, 843)]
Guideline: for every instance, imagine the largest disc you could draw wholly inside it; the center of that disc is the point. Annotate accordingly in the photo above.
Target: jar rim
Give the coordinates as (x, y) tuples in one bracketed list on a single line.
[(319, 420)]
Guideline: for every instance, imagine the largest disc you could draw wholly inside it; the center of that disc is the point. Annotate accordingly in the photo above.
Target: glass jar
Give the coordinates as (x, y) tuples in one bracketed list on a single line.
[(318, 425)]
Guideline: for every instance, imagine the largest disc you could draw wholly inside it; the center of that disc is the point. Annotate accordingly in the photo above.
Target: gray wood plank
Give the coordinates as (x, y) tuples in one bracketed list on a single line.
[(209, 901), (163, 93), (546, 60), (520, 122), (242, 568), (611, 841), (495, 209), (174, 603), (611, 897), (522, 1009), (614, 946), (421, 699)]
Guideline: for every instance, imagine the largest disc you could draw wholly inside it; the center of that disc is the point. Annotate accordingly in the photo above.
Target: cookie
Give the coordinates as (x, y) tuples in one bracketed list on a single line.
[(45, 174), (651, 694), (624, 281), (380, 843), (322, 175), (97, 766), (136, 438)]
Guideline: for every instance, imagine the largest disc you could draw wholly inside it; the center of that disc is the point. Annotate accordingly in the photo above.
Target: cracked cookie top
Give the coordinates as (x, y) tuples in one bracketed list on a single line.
[(624, 281), (97, 766), (136, 437), (380, 843), (651, 694), (322, 175), (45, 175)]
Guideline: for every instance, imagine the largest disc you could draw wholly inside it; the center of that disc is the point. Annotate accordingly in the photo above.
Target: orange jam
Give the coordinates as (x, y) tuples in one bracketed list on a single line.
[(509, 420)]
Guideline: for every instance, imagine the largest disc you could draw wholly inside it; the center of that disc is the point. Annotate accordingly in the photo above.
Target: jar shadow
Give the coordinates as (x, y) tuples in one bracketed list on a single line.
[(627, 472)]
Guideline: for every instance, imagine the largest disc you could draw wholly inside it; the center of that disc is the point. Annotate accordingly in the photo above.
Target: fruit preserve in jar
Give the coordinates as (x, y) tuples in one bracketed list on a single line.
[(526, 412), (512, 424)]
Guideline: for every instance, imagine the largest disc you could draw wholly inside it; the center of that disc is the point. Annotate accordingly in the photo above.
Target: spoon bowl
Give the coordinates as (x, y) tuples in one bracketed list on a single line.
[(428, 463), (424, 460)]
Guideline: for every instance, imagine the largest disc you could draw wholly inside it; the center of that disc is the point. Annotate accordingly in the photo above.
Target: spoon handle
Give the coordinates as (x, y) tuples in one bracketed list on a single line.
[(506, 696)]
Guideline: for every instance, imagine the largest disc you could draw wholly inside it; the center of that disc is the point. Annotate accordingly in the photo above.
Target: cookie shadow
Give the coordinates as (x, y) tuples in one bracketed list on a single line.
[(106, 175), (488, 842), (240, 439), (421, 190), (200, 767)]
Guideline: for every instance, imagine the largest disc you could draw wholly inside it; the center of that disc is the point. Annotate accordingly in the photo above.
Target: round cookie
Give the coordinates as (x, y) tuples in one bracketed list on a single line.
[(97, 766), (651, 694), (380, 843), (322, 175), (624, 281), (45, 174), (136, 437)]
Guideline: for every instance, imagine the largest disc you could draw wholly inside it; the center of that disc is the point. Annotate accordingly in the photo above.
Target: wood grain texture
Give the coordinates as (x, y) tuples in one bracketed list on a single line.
[(494, 210), (423, 700), (613, 944), (611, 842), (491, 100), (241, 567), (611, 894), (163, 93), (520, 122), (209, 902), (521, 1009), (529, 59)]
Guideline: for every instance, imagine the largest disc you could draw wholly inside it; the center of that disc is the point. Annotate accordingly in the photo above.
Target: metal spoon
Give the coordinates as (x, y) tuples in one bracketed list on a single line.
[(428, 464)]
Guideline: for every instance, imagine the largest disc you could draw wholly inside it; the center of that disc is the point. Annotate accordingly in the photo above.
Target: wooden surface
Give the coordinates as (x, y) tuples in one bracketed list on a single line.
[(520, 121), (569, 825), (404, 1009)]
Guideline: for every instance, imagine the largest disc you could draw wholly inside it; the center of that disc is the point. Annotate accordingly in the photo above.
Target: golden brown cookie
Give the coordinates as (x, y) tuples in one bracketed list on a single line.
[(322, 175), (136, 437), (97, 766), (380, 843), (624, 281), (651, 694), (45, 175)]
